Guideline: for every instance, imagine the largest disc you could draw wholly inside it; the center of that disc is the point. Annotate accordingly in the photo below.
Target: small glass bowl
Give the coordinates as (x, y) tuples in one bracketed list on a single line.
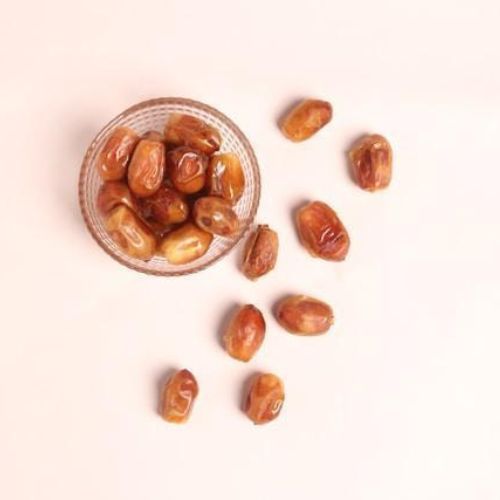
[(152, 115)]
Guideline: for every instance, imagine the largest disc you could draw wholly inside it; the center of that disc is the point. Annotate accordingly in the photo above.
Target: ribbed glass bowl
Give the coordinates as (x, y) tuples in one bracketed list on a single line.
[(152, 115)]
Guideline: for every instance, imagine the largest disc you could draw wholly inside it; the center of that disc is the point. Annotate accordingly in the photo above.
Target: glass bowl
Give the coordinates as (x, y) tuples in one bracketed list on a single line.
[(152, 115)]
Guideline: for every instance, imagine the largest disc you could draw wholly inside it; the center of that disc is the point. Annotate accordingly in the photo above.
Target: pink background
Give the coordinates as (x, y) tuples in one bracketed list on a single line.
[(400, 400)]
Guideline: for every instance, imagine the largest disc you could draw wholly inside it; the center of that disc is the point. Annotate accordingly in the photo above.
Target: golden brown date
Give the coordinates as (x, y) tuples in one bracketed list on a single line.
[(304, 315), (114, 193), (261, 252), (153, 135), (130, 233), (321, 231), (187, 168), (245, 333), (186, 130), (371, 162), (225, 177), (185, 244), (166, 206), (116, 153), (265, 398), (179, 395), (147, 168), (305, 119), (215, 215)]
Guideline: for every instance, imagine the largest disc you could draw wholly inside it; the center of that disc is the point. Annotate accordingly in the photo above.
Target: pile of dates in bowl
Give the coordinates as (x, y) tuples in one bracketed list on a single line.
[(169, 186)]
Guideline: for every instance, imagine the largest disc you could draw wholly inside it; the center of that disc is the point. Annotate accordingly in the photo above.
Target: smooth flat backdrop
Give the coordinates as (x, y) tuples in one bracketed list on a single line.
[(400, 401)]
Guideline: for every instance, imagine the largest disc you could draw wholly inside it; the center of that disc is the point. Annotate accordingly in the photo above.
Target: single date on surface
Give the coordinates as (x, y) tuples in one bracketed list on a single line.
[(305, 119), (179, 395), (245, 333), (303, 315), (265, 398), (371, 162), (261, 252), (321, 231)]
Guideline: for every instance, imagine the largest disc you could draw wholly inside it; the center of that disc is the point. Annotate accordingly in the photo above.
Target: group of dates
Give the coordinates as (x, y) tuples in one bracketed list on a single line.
[(159, 204), (169, 194)]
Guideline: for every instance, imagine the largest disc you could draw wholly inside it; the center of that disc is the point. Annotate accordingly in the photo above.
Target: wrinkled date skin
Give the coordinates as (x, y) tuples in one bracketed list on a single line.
[(187, 169), (179, 395), (185, 130), (130, 233), (225, 177), (304, 315), (114, 193), (147, 168), (153, 135), (371, 162), (116, 153), (185, 244), (166, 206), (245, 333), (215, 215), (261, 252), (265, 398), (305, 119), (321, 231)]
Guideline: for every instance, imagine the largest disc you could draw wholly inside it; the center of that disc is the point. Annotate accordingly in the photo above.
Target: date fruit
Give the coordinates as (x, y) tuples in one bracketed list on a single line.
[(116, 153), (225, 177), (186, 130), (187, 169), (215, 215), (147, 168), (321, 231), (265, 398), (245, 333), (179, 395), (304, 315), (305, 119), (166, 206), (371, 162), (130, 233), (261, 252), (114, 193), (185, 244), (153, 135), (159, 230)]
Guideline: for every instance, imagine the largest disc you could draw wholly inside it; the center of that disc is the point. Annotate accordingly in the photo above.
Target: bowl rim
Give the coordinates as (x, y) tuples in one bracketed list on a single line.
[(86, 165)]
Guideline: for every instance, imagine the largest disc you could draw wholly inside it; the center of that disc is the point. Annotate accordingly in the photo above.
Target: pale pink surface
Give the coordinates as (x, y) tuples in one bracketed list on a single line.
[(400, 400)]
